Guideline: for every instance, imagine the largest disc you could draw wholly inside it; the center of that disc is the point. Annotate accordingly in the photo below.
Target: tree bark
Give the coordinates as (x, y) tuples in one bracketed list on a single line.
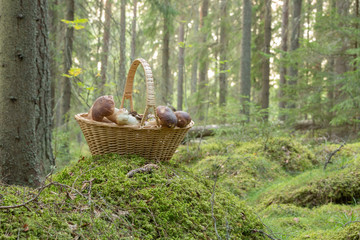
[(284, 48), (25, 139), (106, 45), (167, 87), (294, 44), (133, 32), (223, 53), (245, 67), (54, 27), (265, 88), (66, 83), (122, 68), (194, 65), (180, 87), (203, 66)]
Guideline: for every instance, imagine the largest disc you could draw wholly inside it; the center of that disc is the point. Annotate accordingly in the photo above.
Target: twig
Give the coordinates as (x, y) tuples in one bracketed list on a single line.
[(264, 233), (350, 223), (328, 160), (146, 168)]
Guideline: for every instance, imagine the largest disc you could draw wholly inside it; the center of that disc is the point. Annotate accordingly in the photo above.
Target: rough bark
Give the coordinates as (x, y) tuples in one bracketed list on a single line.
[(265, 88), (294, 44), (203, 62), (223, 53), (133, 32), (245, 67), (54, 26), (122, 69), (24, 93), (284, 48), (106, 45), (180, 86), (68, 48), (43, 107)]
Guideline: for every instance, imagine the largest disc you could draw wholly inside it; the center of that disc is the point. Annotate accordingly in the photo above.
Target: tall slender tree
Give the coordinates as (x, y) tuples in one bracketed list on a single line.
[(265, 87), (122, 69), (194, 64), (223, 53), (180, 85), (167, 94), (245, 74), (25, 138), (106, 45), (133, 32)]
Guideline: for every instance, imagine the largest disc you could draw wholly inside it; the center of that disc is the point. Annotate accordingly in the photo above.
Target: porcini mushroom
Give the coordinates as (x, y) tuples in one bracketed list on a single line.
[(103, 106), (122, 117), (166, 116), (183, 119)]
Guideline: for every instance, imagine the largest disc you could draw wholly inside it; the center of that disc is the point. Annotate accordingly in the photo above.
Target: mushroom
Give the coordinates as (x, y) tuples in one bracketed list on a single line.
[(122, 117), (103, 106), (166, 116), (183, 119)]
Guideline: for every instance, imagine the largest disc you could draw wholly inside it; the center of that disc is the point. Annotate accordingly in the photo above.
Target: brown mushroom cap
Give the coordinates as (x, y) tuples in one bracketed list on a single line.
[(166, 116), (183, 119), (103, 106)]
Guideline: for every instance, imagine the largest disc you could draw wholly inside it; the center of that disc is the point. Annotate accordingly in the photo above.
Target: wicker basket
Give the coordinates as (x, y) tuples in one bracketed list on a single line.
[(151, 142)]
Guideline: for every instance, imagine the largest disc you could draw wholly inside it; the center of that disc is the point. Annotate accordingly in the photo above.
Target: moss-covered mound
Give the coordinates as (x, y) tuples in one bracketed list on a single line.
[(95, 198), (318, 187)]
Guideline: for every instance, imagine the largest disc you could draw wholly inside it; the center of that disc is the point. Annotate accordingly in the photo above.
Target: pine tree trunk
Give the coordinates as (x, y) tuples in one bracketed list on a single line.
[(133, 32), (54, 27), (245, 68), (294, 44), (180, 87), (167, 87), (122, 69), (25, 138), (68, 48), (284, 48), (265, 89), (105, 48), (223, 55), (203, 66), (194, 65)]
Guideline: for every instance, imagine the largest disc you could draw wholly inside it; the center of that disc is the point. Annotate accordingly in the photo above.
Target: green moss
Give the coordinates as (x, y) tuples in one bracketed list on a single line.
[(169, 203)]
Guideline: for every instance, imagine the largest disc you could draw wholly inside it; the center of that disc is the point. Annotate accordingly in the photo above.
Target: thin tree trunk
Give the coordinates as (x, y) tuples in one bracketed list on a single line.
[(133, 32), (203, 66), (194, 65), (294, 44), (167, 88), (24, 82), (223, 54), (284, 48), (66, 84), (100, 26), (106, 45), (122, 67), (265, 89), (180, 87), (245, 68)]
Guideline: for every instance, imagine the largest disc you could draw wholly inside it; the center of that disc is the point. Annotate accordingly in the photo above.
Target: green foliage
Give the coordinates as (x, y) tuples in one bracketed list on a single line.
[(168, 203)]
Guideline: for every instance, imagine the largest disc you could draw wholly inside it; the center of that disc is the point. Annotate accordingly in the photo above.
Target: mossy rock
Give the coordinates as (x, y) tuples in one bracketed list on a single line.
[(100, 200), (350, 232), (318, 187)]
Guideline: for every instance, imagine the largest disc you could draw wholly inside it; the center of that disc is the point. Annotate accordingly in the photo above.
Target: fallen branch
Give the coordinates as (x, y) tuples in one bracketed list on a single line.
[(328, 160), (350, 223), (264, 233), (146, 168)]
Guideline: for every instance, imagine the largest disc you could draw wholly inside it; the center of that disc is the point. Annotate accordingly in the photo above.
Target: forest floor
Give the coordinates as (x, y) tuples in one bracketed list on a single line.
[(242, 183), (285, 180)]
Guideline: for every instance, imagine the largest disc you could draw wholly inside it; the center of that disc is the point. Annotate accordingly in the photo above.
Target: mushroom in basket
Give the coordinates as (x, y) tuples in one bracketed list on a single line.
[(103, 106), (122, 117)]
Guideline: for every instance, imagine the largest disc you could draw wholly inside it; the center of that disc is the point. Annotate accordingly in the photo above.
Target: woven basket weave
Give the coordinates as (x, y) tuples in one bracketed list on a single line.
[(151, 142)]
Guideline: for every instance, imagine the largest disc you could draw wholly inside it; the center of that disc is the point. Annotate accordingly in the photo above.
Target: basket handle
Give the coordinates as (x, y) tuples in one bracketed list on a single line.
[(150, 88)]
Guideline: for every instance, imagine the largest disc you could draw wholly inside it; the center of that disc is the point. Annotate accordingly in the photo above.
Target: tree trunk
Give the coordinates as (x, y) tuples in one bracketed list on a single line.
[(105, 48), (194, 65), (284, 48), (167, 87), (133, 32), (245, 68), (223, 55), (294, 44), (203, 67), (265, 88), (68, 48), (122, 68), (25, 139), (54, 27), (180, 89)]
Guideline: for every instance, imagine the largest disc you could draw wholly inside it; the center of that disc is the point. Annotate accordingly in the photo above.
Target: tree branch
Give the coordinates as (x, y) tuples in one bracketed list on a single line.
[(328, 160)]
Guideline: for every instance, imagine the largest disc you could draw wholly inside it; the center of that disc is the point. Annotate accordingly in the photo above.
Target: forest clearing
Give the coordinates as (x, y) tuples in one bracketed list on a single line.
[(164, 119)]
